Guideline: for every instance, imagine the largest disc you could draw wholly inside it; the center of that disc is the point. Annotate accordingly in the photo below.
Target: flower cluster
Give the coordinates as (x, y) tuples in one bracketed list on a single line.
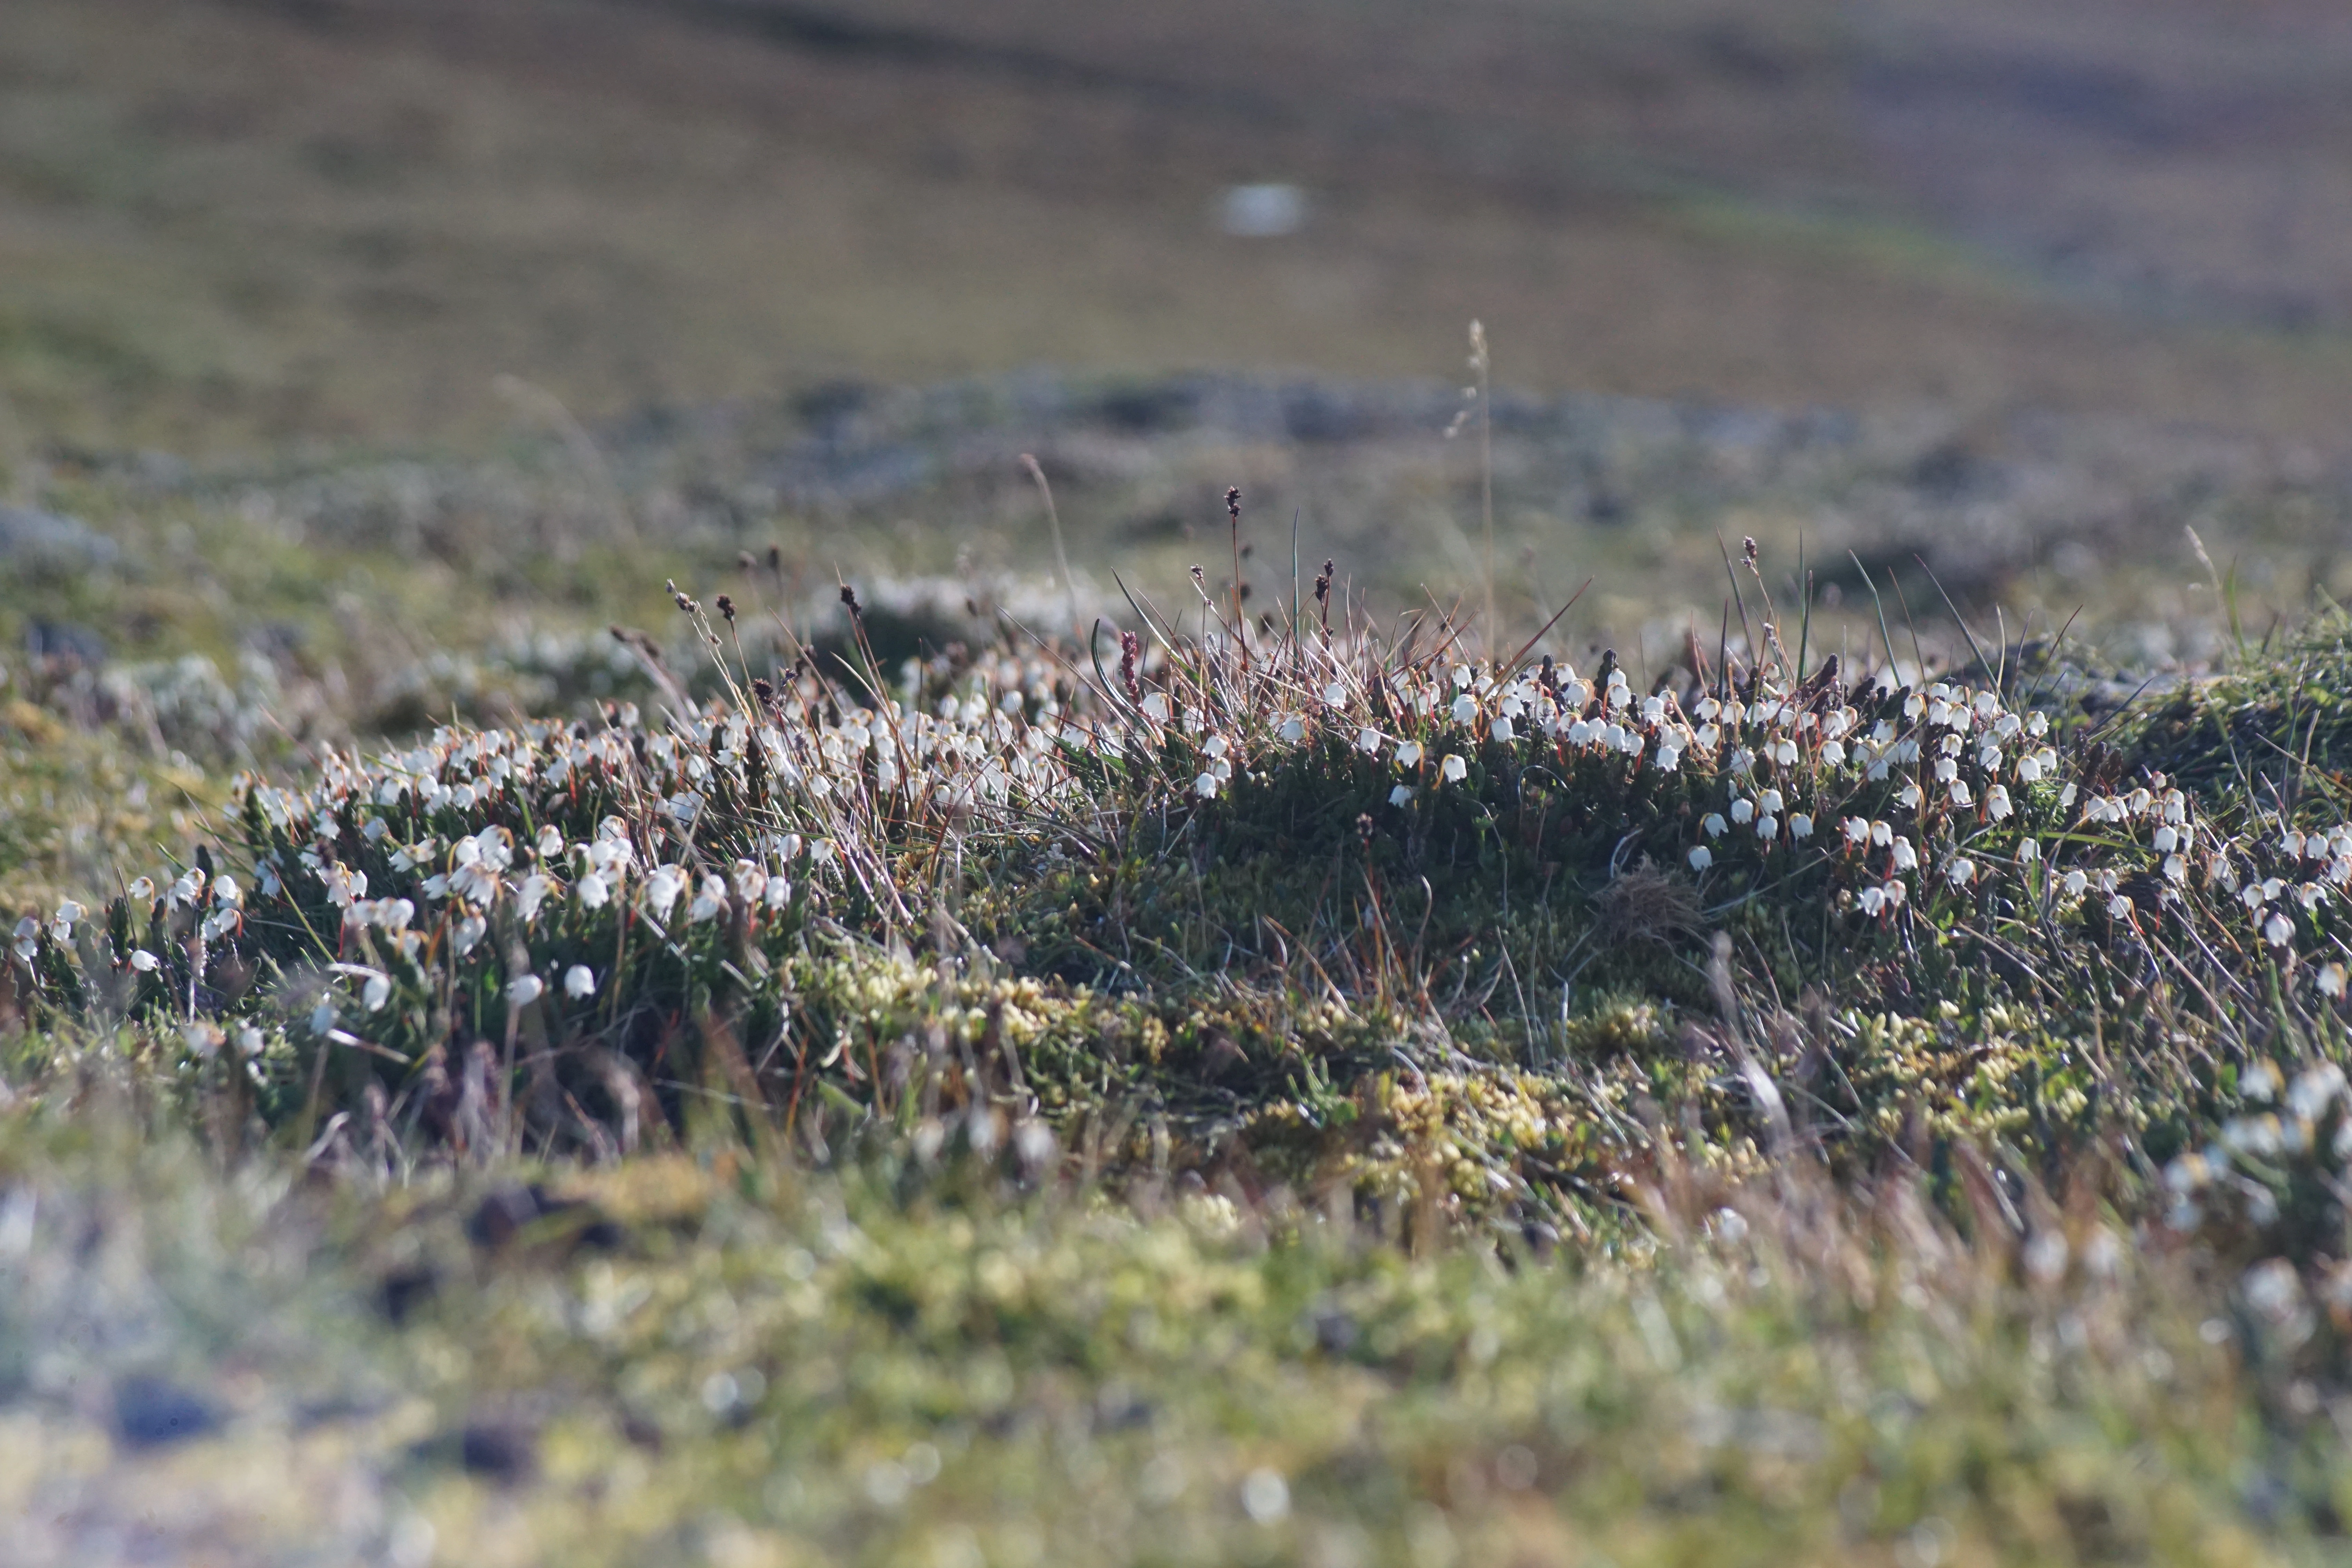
[(563, 874)]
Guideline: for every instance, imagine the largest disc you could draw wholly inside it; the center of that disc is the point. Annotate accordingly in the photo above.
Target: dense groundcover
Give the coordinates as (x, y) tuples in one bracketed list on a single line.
[(1299, 911), (1909, 1116)]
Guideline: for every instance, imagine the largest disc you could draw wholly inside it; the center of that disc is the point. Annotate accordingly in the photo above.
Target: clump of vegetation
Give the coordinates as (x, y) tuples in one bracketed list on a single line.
[(1380, 1020), (1292, 903), (2274, 732)]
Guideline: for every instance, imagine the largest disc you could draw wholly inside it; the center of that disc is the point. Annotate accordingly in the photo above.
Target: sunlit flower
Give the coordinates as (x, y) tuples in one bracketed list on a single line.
[(1453, 770), (525, 989), (1997, 805), (2331, 981), (663, 887), (709, 901), (1408, 753), (1501, 729), (1401, 795), (1800, 826), (1205, 786), (593, 890), (1905, 857), (1713, 825), (1701, 857), (1743, 811), (2278, 930), (375, 993), (1960, 872), (144, 961), (2074, 884)]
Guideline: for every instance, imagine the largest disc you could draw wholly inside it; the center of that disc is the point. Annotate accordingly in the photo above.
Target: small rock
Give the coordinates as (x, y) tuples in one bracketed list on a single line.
[(403, 1290), (30, 537), (151, 1412), (64, 643), (500, 1451), (508, 1211)]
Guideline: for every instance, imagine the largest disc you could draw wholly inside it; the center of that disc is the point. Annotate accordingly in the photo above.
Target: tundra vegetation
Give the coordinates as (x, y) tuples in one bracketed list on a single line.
[(1232, 1079)]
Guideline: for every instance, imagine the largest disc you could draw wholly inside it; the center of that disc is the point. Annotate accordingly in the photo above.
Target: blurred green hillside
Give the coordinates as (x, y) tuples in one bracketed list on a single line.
[(230, 223)]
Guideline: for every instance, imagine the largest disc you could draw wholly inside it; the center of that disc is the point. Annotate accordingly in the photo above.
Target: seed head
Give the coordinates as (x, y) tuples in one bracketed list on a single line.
[(726, 608)]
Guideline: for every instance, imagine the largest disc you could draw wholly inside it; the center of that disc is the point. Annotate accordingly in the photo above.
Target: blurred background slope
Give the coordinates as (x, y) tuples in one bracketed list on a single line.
[(224, 223)]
